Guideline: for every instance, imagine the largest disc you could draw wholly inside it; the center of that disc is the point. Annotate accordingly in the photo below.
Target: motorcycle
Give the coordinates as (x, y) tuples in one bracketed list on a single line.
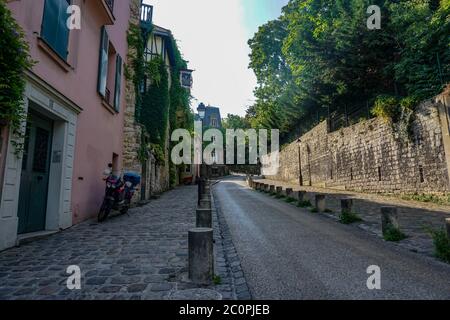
[(118, 194)]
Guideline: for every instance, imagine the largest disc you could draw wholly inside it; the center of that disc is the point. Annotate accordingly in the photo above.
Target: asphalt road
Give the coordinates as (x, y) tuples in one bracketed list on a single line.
[(289, 253)]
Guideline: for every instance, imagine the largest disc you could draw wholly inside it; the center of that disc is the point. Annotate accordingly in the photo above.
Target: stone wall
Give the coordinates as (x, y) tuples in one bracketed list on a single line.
[(371, 156), (155, 179), (132, 131)]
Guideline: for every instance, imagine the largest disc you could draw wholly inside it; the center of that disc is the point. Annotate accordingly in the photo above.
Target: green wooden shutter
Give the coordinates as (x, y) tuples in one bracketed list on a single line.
[(54, 26), (118, 83), (103, 62)]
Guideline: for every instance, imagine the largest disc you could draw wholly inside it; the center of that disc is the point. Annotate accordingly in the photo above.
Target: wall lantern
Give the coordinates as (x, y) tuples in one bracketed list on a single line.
[(186, 78)]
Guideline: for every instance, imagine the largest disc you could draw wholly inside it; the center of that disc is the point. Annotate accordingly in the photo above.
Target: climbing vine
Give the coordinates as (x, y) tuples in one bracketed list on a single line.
[(157, 105), (14, 60), (180, 113)]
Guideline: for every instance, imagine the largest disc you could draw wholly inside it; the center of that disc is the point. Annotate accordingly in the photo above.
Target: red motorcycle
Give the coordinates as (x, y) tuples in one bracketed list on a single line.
[(118, 194)]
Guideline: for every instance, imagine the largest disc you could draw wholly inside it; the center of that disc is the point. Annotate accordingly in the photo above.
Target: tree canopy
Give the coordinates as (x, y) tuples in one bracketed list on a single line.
[(319, 56)]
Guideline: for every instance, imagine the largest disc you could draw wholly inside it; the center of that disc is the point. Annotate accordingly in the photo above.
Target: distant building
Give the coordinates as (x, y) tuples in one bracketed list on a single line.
[(210, 116)]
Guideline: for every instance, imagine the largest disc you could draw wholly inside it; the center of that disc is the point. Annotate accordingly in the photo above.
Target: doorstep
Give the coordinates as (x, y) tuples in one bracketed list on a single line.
[(33, 236)]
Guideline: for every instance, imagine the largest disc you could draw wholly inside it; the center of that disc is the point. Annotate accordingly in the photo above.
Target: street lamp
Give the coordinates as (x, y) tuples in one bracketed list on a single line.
[(300, 177)]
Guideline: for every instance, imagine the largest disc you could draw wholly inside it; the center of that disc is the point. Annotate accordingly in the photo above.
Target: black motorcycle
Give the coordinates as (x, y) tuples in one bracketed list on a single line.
[(118, 194)]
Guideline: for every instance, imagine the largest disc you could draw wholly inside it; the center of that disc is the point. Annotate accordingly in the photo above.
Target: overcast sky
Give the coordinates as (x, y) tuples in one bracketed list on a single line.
[(212, 36)]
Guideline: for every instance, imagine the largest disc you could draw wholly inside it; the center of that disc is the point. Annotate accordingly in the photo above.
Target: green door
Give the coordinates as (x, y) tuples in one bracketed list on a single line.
[(35, 174)]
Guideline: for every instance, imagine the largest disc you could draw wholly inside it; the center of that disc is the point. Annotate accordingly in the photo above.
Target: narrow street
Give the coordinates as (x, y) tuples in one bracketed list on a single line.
[(290, 253)]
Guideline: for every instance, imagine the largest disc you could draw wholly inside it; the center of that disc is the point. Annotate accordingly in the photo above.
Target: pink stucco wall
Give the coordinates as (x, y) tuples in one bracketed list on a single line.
[(99, 131)]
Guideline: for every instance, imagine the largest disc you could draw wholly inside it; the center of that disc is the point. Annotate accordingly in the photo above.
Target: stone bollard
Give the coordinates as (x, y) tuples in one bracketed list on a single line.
[(272, 189), (201, 256), (447, 224), (258, 186), (320, 202), (301, 195), (279, 190), (205, 204), (346, 205), (389, 218), (204, 218), (289, 192)]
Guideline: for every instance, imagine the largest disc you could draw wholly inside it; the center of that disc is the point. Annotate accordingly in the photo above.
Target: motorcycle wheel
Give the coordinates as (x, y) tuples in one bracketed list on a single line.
[(125, 207), (104, 212)]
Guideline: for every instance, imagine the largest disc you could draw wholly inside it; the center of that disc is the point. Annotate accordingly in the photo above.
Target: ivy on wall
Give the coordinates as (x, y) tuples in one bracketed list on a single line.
[(14, 60), (180, 113), (158, 105)]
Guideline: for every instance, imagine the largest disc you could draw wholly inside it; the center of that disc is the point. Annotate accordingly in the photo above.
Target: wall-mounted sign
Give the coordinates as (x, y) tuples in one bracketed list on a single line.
[(186, 78)]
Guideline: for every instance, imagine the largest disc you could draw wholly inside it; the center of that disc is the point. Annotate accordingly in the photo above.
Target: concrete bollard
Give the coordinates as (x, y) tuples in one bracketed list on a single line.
[(389, 218), (205, 204), (346, 205), (447, 225), (289, 192), (301, 196), (272, 188), (279, 190), (320, 202), (201, 255), (204, 218)]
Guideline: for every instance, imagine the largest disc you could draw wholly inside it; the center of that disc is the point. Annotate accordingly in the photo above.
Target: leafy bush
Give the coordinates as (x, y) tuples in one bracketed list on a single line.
[(393, 234), (349, 217), (14, 60), (290, 200), (158, 152), (386, 107), (441, 245), (304, 204)]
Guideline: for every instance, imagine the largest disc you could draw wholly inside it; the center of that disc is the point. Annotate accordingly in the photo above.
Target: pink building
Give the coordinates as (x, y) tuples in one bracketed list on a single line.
[(75, 101)]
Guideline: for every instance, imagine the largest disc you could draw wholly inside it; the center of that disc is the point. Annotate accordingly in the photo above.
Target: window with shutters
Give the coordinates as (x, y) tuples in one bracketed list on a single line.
[(54, 29), (110, 73)]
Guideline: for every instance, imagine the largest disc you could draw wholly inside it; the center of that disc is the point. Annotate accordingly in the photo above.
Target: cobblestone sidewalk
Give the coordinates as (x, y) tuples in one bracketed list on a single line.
[(142, 255), (414, 217)]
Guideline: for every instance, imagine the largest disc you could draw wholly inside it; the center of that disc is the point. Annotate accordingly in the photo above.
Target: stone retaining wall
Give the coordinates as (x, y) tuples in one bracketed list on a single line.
[(371, 156)]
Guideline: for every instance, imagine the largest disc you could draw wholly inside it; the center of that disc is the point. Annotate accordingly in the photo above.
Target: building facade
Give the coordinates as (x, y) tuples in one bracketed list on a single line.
[(75, 112), (211, 119), (159, 42)]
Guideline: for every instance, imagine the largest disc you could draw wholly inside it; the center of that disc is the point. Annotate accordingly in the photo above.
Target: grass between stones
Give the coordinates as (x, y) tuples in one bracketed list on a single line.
[(304, 204), (394, 235), (279, 196), (441, 244), (349, 217), (289, 200), (217, 280)]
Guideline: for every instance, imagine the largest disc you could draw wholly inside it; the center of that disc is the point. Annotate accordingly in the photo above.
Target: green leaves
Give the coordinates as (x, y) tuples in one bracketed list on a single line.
[(14, 60), (320, 55)]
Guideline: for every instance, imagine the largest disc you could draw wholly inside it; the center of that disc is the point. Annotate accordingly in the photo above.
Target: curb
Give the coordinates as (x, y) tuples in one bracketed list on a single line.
[(233, 262)]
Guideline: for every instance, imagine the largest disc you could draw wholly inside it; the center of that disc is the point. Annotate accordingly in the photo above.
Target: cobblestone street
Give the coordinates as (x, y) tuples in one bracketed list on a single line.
[(142, 255)]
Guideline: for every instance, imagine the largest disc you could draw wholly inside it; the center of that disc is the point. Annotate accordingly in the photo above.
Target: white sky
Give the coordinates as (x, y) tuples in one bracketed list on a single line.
[(212, 36)]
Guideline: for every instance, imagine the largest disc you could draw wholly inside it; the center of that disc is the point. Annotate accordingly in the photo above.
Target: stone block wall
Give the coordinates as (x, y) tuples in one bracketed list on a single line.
[(156, 177), (371, 156)]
